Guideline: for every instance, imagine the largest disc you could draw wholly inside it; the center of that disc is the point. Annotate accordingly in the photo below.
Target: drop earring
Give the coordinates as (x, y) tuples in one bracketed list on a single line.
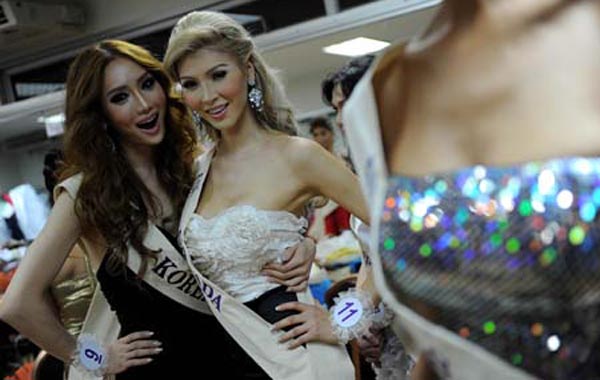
[(255, 97), (197, 118)]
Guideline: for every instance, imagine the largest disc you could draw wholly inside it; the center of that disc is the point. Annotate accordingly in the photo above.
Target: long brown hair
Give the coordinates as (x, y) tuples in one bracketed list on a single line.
[(110, 200)]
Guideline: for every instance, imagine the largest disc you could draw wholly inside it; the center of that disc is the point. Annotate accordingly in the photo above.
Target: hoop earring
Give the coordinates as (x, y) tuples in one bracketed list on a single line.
[(255, 97)]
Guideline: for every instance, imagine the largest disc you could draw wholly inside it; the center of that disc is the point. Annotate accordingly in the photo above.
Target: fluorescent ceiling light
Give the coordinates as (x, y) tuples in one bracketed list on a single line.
[(55, 124), (57, 118), (356, 47)]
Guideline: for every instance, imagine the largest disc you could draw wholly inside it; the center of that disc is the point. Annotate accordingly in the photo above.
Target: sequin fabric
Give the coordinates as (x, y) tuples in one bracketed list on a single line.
[(507, 257)]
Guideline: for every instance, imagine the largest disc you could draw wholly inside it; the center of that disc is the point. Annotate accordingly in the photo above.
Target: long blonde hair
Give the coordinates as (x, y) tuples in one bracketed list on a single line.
[(217, 31)]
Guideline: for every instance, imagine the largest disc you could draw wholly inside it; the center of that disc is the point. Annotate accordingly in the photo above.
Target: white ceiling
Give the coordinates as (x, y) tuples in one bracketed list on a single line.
[(298, 60), (306, 58)]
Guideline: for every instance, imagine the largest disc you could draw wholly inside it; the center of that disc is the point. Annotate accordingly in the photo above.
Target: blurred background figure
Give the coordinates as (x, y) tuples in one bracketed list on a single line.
[(322, 132), (338, 85), (73, 287), (332, 220), (381, 354), (338, 253)]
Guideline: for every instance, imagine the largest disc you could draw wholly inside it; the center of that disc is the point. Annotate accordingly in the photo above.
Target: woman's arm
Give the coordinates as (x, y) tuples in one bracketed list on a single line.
[(26, 306), (325, 175), (293, 272), (321, 173)]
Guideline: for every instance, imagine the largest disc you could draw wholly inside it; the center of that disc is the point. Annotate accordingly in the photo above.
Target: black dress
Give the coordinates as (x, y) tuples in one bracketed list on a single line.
[(194, 344)]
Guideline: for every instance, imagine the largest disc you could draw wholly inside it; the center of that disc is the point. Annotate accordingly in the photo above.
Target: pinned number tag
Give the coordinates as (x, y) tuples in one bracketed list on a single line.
[(348, 312), (351, 315), (91, 354)]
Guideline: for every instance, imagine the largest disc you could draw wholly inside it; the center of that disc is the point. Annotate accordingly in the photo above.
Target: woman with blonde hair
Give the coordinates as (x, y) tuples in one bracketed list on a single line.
[(250, 193)]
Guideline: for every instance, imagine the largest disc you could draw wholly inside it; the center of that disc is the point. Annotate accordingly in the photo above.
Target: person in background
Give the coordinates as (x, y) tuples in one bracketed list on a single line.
[(9, 216), (330, 219), (380, 346), (338, 85), (338, 252), (322, 132)]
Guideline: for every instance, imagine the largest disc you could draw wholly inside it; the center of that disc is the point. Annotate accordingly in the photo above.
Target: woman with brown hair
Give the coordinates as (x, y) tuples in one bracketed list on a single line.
[(129, 149)]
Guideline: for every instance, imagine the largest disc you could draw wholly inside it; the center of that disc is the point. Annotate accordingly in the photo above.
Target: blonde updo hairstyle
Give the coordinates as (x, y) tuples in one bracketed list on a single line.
[(217, 31)]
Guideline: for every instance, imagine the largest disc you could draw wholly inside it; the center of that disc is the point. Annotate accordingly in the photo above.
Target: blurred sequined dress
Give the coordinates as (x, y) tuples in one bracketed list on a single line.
[(509, 256), (493, 272)]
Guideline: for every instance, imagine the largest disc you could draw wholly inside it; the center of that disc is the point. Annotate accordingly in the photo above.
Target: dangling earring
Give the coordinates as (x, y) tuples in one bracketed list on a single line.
[(197, 118), (202, 128), (110, 143), (255, 97)]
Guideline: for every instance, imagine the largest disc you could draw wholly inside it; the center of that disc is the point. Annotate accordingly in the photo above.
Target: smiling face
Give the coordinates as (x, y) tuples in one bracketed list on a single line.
[(215, 85), (134, 103)]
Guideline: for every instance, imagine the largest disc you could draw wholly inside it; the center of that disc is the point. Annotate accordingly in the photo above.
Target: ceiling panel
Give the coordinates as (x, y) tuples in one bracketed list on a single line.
[(297, 61)]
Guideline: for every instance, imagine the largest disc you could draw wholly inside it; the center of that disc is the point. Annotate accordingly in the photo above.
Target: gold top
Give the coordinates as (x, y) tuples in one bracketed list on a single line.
[(73, 298)]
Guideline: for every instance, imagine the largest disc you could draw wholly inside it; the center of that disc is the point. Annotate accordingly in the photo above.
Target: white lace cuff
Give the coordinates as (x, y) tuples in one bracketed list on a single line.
[(89, 357), (351, 315), (382, 316)]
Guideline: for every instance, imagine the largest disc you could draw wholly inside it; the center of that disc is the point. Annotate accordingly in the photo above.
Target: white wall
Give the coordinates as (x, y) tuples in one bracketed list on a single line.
[(305, 94), (21, 167), (31, 165)]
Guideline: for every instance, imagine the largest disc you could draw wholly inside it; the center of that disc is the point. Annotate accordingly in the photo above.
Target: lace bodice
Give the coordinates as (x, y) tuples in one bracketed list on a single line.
[(231, 248)]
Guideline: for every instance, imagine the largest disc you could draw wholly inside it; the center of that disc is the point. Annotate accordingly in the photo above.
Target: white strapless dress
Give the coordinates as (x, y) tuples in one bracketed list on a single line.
[(232, 247)]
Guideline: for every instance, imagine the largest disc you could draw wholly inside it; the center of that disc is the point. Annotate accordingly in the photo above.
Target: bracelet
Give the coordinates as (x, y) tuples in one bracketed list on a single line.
[(382, 316), (351, 315), (89, 356)]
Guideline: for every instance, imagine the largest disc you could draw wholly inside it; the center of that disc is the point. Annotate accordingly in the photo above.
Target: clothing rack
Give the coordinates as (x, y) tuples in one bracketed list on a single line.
[(14, 348)]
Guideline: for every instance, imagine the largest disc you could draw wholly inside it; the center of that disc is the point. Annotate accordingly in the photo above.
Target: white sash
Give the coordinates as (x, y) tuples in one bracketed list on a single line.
[(101, 322), (169, 275), (315, 361)]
